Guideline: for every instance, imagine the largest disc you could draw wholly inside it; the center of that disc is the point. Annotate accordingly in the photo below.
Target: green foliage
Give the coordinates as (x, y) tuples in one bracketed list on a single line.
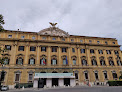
[(2, 53), (1, 23), (26, 85), (115, 83)]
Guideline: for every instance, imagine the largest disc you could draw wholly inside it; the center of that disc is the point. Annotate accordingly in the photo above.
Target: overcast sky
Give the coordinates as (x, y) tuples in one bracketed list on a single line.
[(101, 18)]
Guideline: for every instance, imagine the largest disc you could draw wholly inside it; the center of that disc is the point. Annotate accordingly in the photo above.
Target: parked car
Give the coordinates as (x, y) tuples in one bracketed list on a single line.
[(4, 88)]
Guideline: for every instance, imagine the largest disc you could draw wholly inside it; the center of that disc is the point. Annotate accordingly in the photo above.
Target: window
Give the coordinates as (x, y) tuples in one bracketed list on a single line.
[(102, 62), (113, 42), (9, 36), (91, 51), (2, 75), (108, 51), (100, 51), (86, 75), (116, 52), (76, 75), (19, 61), (43, 61), (32, 61), (84, 62), (21, 48), (63, 39), (119, 63), (30, 77), (105, 75), (74, 62), (111, 63), (81, 40), (22, 37), (7, 47), (106, 42), (17, 77), (32, 48), (33, 37), (65, 61), (114, 75), (98, 42), (54, 49), (72, 40), (54, 39), (6, 61), (43, 49), (73, 49), (64, 50), (54, 62), (94, 62), (90, 41), (82, 50), (96, 75), (43, 38)]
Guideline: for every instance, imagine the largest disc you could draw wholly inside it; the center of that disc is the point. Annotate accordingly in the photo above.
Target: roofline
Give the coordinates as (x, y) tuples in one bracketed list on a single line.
[(57, 36)]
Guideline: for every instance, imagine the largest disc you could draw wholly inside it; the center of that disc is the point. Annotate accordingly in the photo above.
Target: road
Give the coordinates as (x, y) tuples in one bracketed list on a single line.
[(74, 89)]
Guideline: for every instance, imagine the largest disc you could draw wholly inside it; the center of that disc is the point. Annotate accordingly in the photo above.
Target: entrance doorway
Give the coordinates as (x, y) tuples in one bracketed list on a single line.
[(40, 83), (55, 81), (44, 80), (67, 81)]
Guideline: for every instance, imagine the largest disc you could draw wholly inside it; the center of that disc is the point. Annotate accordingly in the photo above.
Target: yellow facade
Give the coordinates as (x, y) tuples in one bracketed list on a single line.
[(49, 41)]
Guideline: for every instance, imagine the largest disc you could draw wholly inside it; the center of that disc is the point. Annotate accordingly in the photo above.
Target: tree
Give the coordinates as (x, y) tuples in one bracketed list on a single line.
[(2, 53), (1, 23)]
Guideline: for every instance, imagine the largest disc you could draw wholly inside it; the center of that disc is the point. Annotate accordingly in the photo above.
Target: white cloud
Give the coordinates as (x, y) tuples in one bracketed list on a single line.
[(80, 17)]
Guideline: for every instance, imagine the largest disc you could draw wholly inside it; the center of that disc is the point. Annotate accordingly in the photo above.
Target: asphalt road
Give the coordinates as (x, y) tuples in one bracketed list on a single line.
[(74, 89)]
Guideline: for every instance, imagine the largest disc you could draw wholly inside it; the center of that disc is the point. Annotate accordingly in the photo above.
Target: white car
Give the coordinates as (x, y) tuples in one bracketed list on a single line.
[(4, 88)]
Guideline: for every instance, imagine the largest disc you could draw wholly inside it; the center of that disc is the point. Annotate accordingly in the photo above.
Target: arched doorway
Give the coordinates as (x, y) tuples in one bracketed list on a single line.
[(66, 80)]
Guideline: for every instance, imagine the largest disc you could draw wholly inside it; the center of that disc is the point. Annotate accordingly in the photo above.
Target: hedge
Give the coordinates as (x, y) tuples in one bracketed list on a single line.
[(26, 85), (115, 83)]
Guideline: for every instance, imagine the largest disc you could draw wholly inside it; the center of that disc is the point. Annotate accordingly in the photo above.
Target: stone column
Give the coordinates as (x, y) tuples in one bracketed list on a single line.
[(49, 57), (38, 59), (114, 57), (61, 82), (72, 82), (105, 56), (59, 56), (26, 54), (35, 84), (49, 82), (97, 57), (88, 56), (78, 56)]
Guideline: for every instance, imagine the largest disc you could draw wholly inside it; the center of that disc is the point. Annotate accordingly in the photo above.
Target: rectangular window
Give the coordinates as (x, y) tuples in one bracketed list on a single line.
[(17, 77), (21, 48), (72, 40), (116, 52), (113, 42), (63, 39), (86, 75), (106, 42), (54, 38), (96, 75), (81, 40), (64, 50), (91, 51), (7, 47), (73, 49), (32, 61), (108, 51), (43, 49), (54, 62), (54, 49), (76, 75), (30, 77), (32, 48), (33, 37), (114, 75), (82, 50), (9, 36), (22, 37), (43, 38), (98, 42), (105, 75), (90, 41), (6, 61), (100, 51)]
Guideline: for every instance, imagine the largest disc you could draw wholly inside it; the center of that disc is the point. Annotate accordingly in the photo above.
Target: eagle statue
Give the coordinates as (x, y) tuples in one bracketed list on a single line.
[(53, 24)]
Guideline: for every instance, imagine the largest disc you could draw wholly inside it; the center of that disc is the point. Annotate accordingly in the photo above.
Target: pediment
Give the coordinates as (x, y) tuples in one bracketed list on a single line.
[(53, 31)]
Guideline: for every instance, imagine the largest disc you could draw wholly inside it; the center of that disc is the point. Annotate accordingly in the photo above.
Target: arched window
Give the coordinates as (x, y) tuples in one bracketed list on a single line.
[(111, 63), (74, 61), (84, 62), (43, 61), (102, 62), (94, 62), (54, 72), (19, 61), (54, 61), (31, 61), (119, 63), (6, 61)]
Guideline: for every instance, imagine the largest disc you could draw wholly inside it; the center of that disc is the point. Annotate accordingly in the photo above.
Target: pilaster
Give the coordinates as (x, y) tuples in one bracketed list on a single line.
[(49, 57)]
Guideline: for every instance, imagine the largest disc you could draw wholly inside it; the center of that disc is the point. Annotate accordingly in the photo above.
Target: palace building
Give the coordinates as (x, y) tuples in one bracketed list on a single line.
[(53, 57)]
